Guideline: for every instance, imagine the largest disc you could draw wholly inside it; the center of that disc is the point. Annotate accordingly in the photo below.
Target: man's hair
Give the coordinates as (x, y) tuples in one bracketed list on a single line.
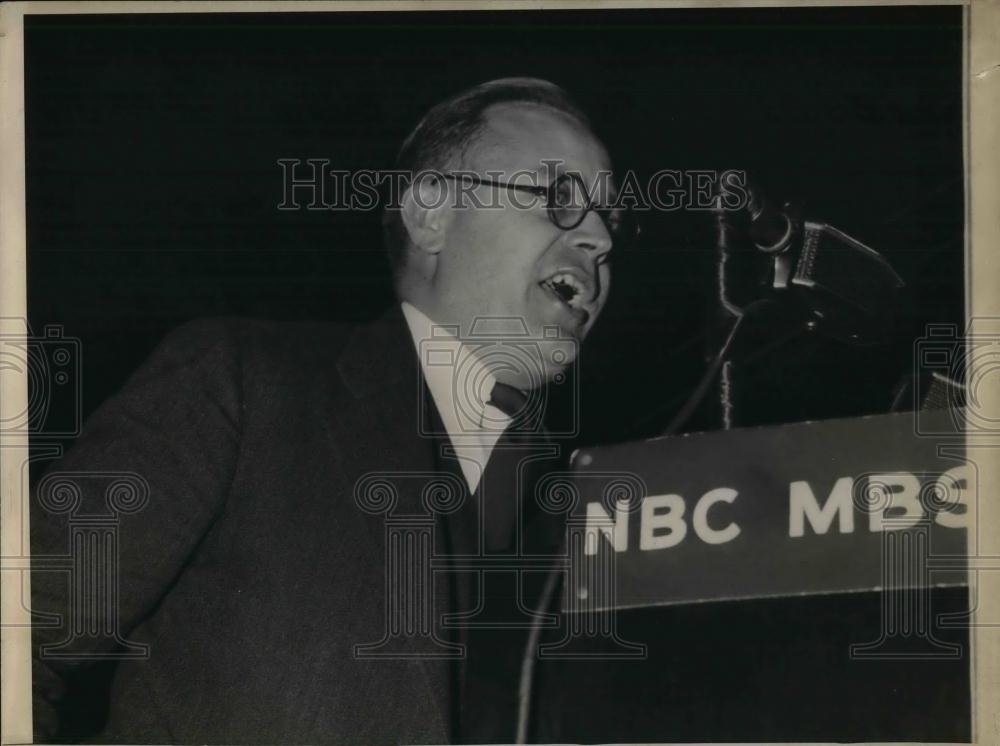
[(441, 139)]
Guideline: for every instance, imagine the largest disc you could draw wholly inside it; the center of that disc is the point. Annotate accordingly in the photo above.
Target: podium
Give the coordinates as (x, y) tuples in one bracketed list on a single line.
[(798, 582)]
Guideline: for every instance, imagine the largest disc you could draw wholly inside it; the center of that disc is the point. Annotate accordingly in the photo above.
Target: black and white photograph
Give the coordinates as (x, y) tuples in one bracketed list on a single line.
[(425, 373)]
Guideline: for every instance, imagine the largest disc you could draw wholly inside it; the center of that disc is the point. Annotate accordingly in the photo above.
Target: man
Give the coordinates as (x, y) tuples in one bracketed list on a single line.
[(255, 569)]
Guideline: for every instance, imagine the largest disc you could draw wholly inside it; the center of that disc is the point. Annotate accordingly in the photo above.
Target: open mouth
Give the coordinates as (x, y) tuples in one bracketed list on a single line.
[(570, 290)]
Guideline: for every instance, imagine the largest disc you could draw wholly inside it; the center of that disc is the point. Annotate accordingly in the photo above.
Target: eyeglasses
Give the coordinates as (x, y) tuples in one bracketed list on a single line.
[(567, 202)]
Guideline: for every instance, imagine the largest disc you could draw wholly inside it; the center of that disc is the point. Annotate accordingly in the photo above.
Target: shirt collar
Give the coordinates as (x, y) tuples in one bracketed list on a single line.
[(459, 382)]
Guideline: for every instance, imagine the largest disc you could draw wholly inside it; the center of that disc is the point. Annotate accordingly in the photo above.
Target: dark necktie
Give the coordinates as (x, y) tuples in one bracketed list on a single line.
[(498, 488), (508, 399)]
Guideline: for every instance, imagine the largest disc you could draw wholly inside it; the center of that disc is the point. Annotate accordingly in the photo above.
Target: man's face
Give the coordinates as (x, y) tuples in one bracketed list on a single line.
[(509, 259)]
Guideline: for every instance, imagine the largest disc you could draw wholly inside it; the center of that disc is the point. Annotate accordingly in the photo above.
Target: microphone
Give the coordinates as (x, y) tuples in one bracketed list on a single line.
[(779, 277), (847, 289)]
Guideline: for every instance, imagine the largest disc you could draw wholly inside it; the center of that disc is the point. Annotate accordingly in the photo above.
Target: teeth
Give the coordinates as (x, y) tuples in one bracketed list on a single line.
[(567, 287)]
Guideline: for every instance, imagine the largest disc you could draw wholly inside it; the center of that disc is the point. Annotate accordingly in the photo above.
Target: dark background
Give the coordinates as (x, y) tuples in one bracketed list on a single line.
[(153, 181), (152, 193)]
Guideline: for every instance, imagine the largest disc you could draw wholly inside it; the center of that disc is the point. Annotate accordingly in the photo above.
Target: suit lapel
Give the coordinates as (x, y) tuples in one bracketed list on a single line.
[(382, 421), (377, 430), (377, 433)]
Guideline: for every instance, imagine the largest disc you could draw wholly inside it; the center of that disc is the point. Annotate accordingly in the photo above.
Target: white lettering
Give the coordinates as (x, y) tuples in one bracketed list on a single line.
[(903, 491), (953, 486), (700, 518), (662, 512), (599, 522), (803, 504)]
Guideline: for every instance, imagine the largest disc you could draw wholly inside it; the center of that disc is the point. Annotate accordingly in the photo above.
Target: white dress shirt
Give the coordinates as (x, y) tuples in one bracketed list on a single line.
[(461, 386)]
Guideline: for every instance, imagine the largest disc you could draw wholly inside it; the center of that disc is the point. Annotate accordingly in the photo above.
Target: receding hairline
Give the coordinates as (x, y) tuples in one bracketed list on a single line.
[(488, 139), (452, 134)]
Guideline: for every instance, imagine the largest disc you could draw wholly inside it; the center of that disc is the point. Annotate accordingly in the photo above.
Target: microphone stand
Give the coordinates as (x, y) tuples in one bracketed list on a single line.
[(777, 278)]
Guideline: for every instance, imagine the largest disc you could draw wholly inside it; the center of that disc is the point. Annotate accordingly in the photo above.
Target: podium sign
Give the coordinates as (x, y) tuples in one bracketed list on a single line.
[(809, 508)]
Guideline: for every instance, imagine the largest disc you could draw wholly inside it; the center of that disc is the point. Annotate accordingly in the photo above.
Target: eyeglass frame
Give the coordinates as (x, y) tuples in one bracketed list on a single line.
[(546, 192)]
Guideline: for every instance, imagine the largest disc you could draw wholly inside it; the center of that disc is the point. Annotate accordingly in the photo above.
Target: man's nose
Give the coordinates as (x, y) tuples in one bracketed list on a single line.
[(591, 235)]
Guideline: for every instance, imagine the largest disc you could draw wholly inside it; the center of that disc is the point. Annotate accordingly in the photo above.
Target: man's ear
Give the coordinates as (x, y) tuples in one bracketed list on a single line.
[(425, 213)]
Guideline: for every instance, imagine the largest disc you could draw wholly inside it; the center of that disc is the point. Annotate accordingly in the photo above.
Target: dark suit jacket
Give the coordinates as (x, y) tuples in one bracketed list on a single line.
[(251, 573)]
